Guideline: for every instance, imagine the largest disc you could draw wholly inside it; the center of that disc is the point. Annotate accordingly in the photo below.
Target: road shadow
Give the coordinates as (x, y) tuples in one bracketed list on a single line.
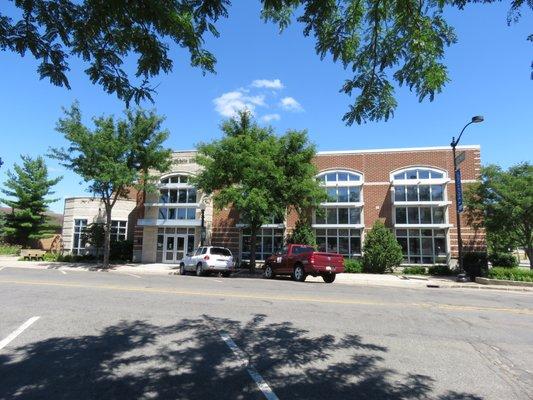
[(189, 360)]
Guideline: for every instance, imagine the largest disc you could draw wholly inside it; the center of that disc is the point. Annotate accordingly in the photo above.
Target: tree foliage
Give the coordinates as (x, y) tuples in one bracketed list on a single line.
[(115, 156), (303, 233), (381, 251), (28, 189), (94, 235), (381, 42), (260, 175), (503, 203)]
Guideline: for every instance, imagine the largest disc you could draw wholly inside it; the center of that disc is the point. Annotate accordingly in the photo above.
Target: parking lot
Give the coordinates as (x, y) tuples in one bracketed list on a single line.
[(93, 335)]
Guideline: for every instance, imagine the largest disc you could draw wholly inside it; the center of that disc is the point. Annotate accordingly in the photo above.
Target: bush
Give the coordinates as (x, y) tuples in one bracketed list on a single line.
[(511, 274), (501, 259), (51, 257), (303, 234), (121, 250), (475, 264), (382, 252), (414, 270), (352, 266), (9, 250), (441, 270)]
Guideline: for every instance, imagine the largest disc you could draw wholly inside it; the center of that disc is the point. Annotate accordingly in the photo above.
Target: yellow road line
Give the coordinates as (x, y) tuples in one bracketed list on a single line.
[(525, 311)]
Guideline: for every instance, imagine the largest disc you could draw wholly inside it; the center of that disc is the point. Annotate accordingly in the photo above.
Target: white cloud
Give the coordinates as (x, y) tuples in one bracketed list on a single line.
[(270, 117), (268, 84), (290, 104), (228, 104)]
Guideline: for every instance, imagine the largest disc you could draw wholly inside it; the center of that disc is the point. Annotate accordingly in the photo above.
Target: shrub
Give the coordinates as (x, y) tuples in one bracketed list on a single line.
[(121, 250), (501, 259), (9, 250), (414, 270), (382, 252), (440, 270), (51, 257), (475, 264), (511, 274), (303, 234), (353, 266)]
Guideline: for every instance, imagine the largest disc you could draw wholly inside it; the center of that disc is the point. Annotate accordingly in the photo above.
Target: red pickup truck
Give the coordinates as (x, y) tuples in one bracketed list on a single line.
[(300, 260)]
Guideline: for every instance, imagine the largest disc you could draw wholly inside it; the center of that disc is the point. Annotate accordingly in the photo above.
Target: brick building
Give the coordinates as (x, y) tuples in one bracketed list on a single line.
[(411, 190)]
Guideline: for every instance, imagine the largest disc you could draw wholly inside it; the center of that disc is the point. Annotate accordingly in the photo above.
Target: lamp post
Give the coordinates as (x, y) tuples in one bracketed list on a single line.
[(202, 225), (458, 194)]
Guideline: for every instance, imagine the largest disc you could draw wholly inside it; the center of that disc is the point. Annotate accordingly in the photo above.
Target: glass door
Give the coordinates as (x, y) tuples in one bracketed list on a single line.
[(175, 247)]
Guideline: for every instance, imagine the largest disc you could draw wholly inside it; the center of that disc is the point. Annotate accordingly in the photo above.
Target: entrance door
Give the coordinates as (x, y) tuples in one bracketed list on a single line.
[(175, 247)]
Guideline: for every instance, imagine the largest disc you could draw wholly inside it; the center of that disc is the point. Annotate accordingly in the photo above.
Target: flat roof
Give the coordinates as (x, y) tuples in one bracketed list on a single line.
[(389, 150), (398, 149)]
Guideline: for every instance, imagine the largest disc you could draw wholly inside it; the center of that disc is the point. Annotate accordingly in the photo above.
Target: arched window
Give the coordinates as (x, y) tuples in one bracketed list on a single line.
[(178, 199), (339, 221), (420, 214), (174, 179)]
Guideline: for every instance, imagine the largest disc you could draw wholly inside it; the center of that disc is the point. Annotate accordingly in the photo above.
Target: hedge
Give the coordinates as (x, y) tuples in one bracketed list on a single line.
[(511, 274), (352, 266)]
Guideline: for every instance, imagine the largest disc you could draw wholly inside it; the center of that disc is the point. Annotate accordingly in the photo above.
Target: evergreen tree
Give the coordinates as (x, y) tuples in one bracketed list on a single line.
[(27, 190), (381, 251)]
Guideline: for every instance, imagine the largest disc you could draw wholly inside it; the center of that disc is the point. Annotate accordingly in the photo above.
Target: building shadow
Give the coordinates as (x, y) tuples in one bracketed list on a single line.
[(189, 360)]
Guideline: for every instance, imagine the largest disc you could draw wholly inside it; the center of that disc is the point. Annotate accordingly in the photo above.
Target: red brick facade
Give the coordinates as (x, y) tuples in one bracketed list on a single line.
[(375, 167)]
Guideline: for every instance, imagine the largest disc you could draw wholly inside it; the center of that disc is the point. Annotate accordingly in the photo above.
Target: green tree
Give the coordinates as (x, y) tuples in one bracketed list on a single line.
[(260, 175), (303, 233), (114, 156), (381, 42), (28, 189), (94, 235), (241, 171), (503, 202), (381, 251)]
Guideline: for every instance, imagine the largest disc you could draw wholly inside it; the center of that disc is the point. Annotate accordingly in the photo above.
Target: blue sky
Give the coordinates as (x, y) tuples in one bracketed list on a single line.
[(286, 83)]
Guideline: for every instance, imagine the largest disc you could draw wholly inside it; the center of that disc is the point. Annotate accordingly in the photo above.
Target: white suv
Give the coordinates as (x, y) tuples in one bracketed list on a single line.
[(208, 259)]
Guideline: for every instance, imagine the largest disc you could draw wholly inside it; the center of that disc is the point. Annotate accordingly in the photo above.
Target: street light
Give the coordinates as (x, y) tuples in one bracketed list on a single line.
[(202, 225), (459, 195)]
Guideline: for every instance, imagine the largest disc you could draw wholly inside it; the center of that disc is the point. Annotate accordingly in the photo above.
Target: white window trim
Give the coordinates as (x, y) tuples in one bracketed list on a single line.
[(74, 231), (121, 220), (422, 226), (421, 203), (173, 205), (341, 205), (184, 223), (341, 183), (426, 167), (410, 182), (276, 226), (338, 226)]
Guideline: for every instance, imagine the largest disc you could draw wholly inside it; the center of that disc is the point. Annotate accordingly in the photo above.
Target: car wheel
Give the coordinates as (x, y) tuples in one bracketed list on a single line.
[(269, 272), (199, 270), (299, 273), (329, 278), (182, 269), (226, 274)]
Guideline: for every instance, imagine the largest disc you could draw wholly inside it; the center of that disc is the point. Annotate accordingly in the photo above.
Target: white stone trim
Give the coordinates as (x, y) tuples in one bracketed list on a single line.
[(394, 150), (185, 223), (338, 226), (422, 226)]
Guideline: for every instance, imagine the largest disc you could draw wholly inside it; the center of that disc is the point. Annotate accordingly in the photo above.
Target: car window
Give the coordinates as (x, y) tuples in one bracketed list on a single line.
[(220, 251), (198, 251), (301, 249), (204, 250), (284, 250)]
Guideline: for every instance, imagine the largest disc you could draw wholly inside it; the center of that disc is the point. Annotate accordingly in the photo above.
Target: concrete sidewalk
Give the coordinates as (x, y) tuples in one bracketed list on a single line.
[(406, 281)]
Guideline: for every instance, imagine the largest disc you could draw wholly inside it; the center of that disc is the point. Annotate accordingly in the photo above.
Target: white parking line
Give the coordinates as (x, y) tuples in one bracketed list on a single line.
[(17, 332), (258, 379), (63, 272), (217, 280), (127, 273), (1, 268)]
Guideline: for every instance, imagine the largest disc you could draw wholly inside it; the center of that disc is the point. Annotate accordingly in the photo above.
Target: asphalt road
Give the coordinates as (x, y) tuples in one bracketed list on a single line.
[(105, 335)]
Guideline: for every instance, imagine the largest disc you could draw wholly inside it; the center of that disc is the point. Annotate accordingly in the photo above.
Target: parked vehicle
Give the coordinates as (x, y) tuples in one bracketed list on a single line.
[(299, 260), (207, 260)]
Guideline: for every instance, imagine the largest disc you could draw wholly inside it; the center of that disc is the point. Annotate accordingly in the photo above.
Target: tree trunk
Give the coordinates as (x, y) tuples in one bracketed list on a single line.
[(529, 252), (253, 241), (107, 237)]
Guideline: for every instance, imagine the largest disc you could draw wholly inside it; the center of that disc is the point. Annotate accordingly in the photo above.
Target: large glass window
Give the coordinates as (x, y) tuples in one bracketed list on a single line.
[(339, 176), (78, 240), (177, 213), (339, 215), (420, 215), (175, 179), (344, 194), (423, 246), (419, 173), (419, 193), (343, 241), (118, 230), (174, 196), (269, 241)]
